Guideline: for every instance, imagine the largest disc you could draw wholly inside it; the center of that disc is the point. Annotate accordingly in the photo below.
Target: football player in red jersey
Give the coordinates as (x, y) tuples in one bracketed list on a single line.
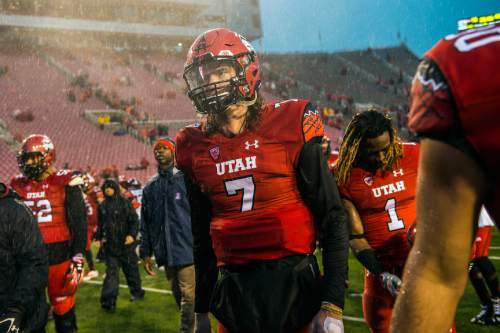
[(454, 108), (92, 197), (483, 275), (57, 202), (376, 175), (261, 194)]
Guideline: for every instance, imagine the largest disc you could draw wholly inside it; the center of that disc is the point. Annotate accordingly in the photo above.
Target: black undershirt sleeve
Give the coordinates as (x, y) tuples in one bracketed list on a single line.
[(319, 191), (76, 218), (204, 258)]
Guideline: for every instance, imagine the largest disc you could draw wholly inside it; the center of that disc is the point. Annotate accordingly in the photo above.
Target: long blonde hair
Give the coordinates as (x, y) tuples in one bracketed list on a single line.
[(365, 125)]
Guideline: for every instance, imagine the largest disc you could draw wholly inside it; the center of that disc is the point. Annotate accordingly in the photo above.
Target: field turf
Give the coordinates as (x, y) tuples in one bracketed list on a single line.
[(158, 312)]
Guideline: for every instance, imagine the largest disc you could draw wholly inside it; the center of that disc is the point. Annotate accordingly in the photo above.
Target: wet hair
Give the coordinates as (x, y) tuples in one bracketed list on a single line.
[(252, 117), (366, 125)]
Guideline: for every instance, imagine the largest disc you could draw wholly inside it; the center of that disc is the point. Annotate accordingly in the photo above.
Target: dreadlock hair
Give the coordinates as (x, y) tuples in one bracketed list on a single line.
[(252, 117), (366, 125)]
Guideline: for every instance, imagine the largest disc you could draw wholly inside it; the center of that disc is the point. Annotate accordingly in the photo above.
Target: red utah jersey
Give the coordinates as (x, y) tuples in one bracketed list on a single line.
[(91, 204), (467, 100), (47, 201), (257, 211), (385, 202)]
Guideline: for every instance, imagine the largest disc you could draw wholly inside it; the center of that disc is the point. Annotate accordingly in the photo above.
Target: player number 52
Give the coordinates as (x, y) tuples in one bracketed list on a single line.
[(43, 211)]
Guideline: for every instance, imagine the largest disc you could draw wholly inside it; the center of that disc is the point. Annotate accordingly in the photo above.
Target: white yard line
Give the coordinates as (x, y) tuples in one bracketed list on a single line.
[(494, 247), (494, 257), (349, 318), (154, 290)]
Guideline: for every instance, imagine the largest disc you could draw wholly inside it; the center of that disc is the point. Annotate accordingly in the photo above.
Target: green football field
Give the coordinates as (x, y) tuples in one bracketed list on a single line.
[(158, 311)]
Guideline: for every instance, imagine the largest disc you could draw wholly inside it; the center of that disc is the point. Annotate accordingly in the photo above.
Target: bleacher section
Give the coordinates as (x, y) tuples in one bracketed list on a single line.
[(38, 81), (124, 76), (31, 85), (379, 76)]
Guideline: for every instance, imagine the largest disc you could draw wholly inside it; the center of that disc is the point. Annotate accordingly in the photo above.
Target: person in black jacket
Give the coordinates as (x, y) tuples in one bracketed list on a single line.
[(117, 229), (23, 268)]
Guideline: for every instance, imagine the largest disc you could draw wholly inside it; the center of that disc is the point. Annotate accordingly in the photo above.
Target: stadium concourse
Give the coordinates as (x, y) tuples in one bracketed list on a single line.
[(48, 89)]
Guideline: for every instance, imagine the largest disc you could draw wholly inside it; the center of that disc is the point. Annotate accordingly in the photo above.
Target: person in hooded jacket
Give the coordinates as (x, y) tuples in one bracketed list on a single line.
[(117, 229), (23, 267)]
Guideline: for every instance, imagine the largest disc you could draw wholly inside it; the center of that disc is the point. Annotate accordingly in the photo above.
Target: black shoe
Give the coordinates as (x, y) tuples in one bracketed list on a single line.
[(138, 297), (484, 317), (496, 310)]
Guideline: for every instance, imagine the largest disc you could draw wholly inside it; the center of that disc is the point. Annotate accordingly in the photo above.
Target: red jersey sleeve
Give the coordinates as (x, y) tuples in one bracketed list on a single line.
[(312, 125), (432, 108), (344, 192), (183, 154)]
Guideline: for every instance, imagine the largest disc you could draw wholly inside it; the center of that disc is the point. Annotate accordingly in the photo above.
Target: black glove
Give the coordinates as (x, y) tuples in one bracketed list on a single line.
[(10, 321)]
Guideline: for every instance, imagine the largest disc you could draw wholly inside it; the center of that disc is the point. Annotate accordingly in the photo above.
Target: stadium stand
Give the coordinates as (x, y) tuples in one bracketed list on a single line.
[(33, 86)]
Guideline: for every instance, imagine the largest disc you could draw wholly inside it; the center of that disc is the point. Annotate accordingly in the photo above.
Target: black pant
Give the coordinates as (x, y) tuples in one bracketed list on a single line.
[(90, 260), (128, 262), (268, 296)]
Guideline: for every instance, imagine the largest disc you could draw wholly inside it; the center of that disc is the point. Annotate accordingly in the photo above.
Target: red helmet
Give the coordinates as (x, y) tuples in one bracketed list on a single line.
[(215, 49), (36, 144)]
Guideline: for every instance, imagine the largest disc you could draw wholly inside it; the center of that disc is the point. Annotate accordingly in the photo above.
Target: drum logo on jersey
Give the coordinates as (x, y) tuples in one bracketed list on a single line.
[(388, 189), (236, 165), (35, 195), (214, 153)]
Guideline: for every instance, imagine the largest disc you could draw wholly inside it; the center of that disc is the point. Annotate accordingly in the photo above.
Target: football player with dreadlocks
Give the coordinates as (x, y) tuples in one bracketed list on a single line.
[(261, 194), (57, 202), (376, 174)]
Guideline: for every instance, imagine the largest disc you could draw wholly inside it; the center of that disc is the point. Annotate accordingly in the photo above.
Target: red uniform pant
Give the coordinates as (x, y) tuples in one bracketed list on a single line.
[(482, 242), (377, 304), (59, 299)]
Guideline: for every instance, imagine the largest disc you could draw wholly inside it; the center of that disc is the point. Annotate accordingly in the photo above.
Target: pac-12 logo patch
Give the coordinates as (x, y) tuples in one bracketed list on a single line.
[(368, 180), (214, 153)]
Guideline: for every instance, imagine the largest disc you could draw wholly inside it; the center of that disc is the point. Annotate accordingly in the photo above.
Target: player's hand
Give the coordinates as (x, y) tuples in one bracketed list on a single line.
[(10, 321), (391, 282), (202, 323), (129, 240), (327, 322), (78, 261), (97, 243), (148, 266)]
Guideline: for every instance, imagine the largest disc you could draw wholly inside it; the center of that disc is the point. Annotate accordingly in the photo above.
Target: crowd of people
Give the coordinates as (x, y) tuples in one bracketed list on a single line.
[(243, 199)]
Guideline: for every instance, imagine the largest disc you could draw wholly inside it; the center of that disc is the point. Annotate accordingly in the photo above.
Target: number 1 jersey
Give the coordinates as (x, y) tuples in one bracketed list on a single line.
[(386, 205)]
